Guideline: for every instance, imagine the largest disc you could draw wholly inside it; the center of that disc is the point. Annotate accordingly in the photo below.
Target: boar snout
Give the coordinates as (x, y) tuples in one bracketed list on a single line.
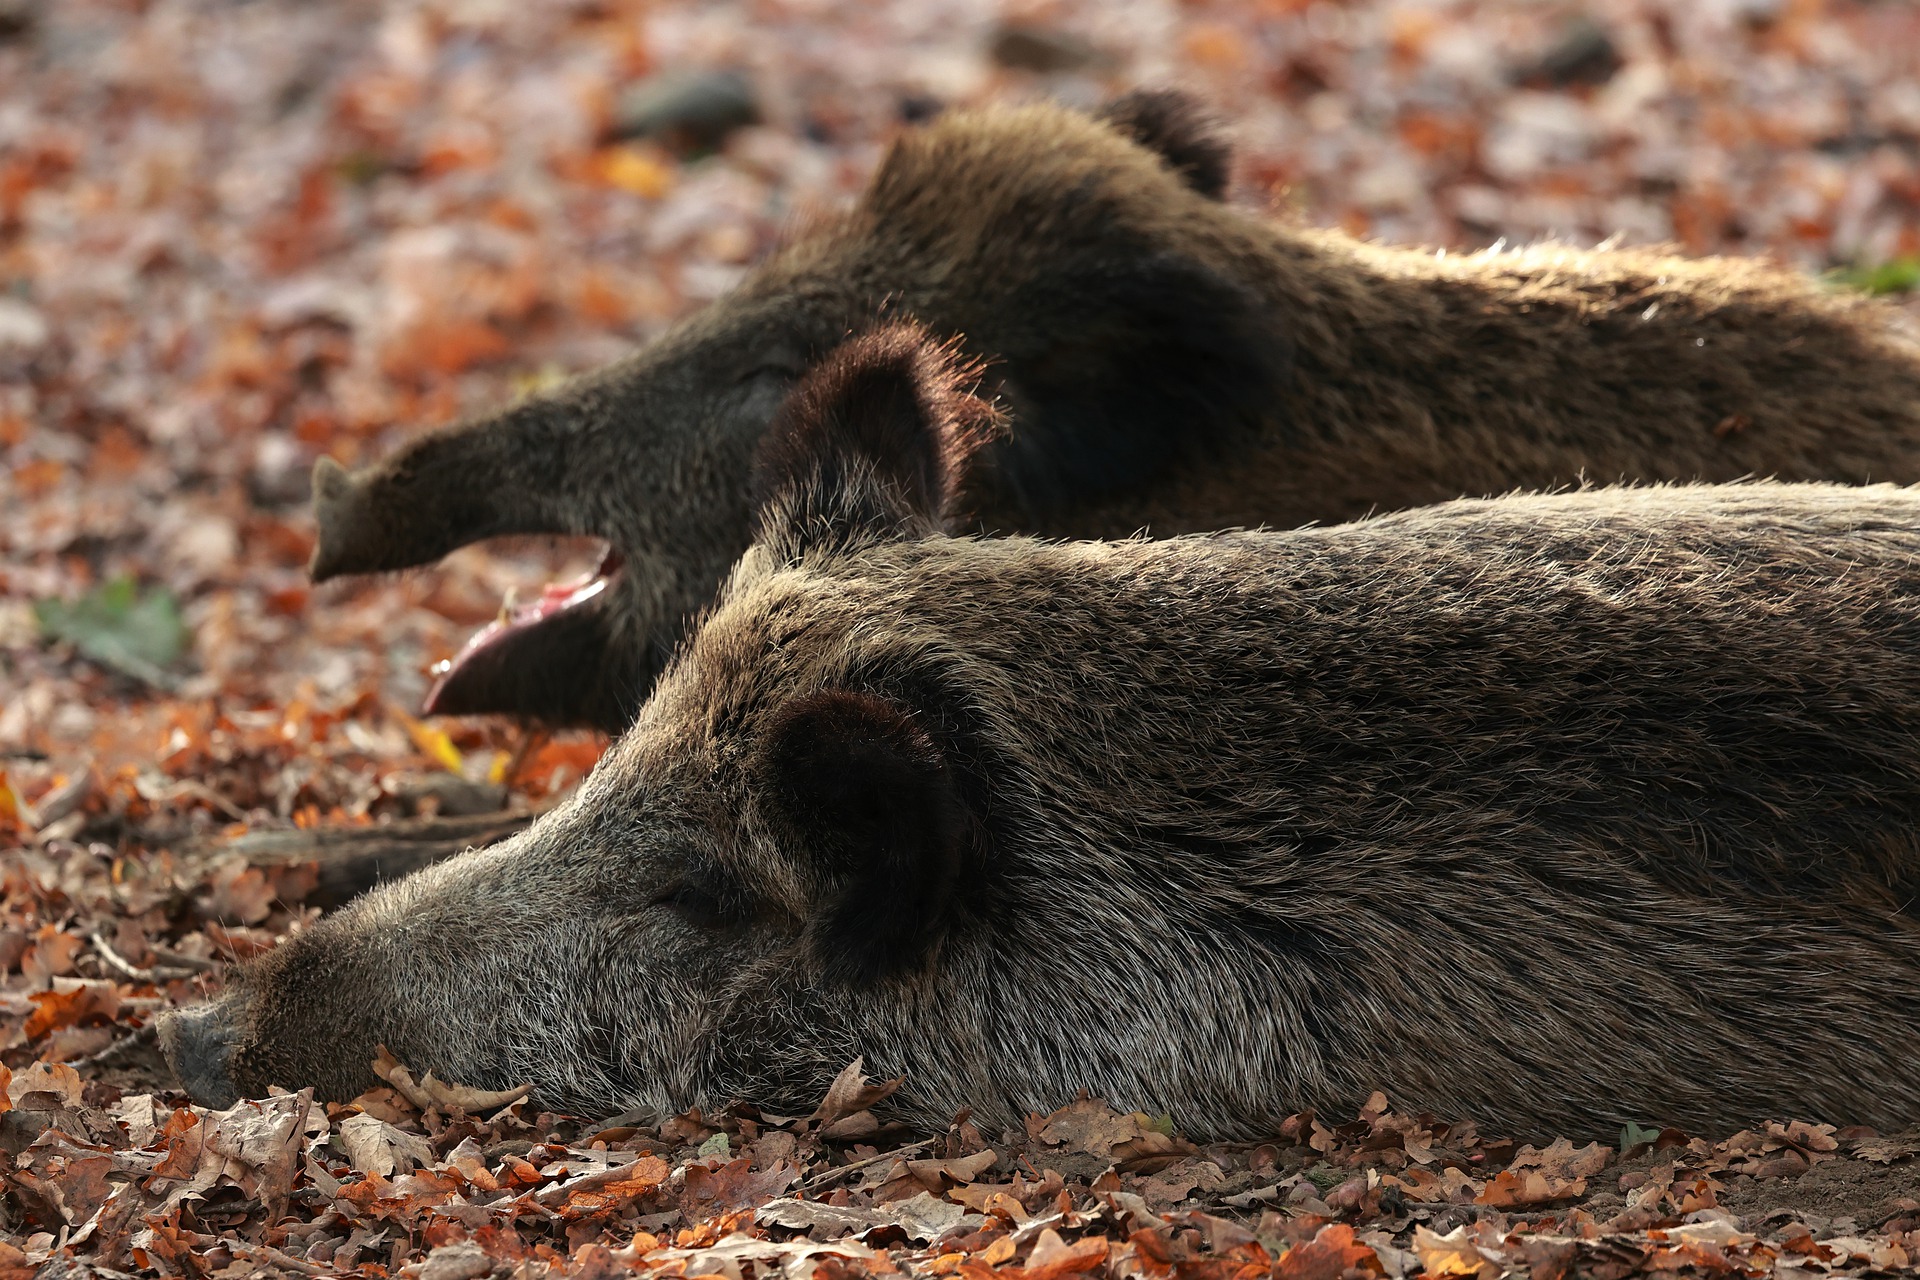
[(503, 475), (197, 1044)]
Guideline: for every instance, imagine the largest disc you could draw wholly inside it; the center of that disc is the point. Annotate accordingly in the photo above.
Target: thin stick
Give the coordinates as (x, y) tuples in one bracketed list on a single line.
[(126, 967), (531, 741), (114, 1050), (840, 1171), (258, 1253), (174, 959)]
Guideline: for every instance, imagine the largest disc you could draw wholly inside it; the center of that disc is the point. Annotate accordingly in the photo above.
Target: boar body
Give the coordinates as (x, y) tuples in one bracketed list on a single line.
[(1169, 363), (1552, 811)]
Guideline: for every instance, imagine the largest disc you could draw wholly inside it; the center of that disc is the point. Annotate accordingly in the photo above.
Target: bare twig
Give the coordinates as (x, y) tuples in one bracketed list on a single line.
[(531, 741), (120, 964), (638, 1117), (192, 787), (178, 960), (838, 1172), (354, 859), (123, 1045), (266, 1253), (428, 1093)]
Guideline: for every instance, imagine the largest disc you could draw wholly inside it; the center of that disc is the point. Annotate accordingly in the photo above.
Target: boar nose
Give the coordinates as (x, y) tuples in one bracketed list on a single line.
[(197, 1043)]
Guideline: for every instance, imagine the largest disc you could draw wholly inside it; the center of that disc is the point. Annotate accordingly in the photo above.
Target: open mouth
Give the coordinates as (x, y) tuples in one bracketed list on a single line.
[(565, 617)]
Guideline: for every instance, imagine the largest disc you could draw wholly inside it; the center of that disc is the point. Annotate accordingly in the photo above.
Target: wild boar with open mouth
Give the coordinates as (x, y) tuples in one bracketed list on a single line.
[(1169, 362)]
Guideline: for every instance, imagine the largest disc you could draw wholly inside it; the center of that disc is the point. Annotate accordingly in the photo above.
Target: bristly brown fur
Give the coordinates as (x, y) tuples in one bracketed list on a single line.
[(862, 412), (1170, 362), (1554, 812), (1181, 130)]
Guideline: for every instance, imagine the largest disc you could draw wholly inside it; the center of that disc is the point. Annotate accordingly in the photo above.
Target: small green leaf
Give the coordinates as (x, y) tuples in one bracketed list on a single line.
[(115, 624), (1632, 1135), (1325, 1177), (716, 1146), (1902, 275)]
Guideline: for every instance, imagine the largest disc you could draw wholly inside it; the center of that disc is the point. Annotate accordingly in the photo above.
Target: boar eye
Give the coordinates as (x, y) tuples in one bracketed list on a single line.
[(695, 903), (778, 369)]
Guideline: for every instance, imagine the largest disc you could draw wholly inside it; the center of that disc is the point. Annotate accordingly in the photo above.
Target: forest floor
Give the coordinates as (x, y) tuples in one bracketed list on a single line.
[(235, 237)]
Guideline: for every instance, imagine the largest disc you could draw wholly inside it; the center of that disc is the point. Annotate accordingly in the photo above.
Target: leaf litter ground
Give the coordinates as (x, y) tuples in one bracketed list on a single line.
[(234, 238)]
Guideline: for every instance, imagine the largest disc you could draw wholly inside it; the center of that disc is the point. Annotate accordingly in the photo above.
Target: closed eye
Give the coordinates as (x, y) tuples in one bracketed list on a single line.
[(695, 903), (779, 370)]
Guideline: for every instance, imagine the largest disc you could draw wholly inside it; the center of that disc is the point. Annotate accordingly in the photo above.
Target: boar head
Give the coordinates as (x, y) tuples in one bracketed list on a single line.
[(1087, 258), (762, 850)]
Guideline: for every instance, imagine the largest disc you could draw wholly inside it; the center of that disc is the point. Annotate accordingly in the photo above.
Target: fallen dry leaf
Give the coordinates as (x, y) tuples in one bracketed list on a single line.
[(1331, 1254), (961, 1169), (45, 1084), (374, 1146), (1452, 1254), (599, 1193), (1089, 1126), (850, 1094), (1052, 1257), (1888, 1150)]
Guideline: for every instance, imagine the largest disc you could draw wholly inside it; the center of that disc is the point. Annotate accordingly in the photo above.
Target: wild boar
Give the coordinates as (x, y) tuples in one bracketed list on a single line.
[(1170, 363), (1554, 811)]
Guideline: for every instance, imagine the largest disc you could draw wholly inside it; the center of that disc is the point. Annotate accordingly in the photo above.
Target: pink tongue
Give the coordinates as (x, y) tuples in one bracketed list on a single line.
[(556, 596)]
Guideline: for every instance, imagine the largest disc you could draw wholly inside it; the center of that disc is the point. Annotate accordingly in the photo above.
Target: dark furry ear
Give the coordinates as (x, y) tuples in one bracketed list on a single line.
[(1182, 130), (869, 801), (870, 444), (1128, 365)]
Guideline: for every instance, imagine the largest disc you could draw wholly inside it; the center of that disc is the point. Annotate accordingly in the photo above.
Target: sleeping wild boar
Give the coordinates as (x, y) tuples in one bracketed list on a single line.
[(1553, 811), (1170, 363)]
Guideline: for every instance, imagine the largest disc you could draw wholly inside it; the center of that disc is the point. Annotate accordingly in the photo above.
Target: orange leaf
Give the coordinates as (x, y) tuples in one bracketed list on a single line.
[(51, 955), (600, 301), (1410, 30), (605, 1192), (1053, 1258), (117, 452), (56, 1009), (288, 602), (1328, 1256), (1560, 1172), (1510, 1189), (560, 761), (1453, 1254)]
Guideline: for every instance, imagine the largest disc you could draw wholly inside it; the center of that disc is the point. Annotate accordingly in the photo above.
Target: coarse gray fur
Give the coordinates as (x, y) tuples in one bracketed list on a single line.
[(1554, 811)]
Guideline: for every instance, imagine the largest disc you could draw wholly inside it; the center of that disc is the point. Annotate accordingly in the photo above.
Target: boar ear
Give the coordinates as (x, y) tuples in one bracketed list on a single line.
[(1181, 130), (872, 805), (869, 445)]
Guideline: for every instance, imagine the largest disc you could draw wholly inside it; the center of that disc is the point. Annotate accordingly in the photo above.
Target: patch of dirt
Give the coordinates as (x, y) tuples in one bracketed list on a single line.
[(1842, 1193)]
